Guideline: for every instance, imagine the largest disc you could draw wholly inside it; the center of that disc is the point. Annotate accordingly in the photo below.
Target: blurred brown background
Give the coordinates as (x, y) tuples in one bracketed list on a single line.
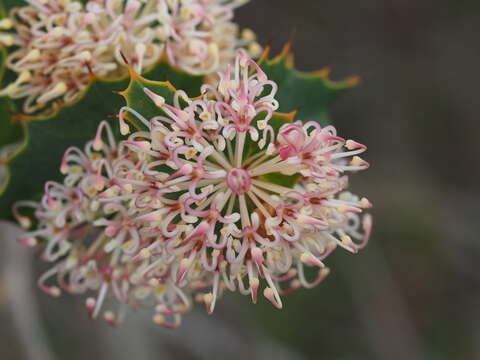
[(414, 292)]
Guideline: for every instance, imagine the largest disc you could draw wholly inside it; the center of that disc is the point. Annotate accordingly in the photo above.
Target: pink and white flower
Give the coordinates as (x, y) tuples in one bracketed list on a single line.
[(225, 161), (217, 194), (61, 43)]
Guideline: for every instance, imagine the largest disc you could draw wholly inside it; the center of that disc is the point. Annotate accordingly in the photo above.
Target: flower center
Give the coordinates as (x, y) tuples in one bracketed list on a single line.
[(239, 181)]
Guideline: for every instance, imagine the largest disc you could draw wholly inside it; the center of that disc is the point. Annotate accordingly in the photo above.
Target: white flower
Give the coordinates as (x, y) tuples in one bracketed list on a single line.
[(61, 43)]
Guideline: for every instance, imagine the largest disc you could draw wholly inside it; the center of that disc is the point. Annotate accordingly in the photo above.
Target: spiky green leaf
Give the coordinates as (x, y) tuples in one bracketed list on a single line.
[(310, 93)]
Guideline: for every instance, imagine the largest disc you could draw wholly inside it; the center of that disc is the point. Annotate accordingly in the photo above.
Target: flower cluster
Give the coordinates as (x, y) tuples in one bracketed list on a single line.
[(217, 193), (60, 43)]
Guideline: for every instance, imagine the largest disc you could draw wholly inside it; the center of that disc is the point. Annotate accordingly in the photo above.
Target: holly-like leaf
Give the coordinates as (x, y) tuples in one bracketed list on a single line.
[(164, 76), (46, 139), (38, 158), (308, 92), (164, 72)]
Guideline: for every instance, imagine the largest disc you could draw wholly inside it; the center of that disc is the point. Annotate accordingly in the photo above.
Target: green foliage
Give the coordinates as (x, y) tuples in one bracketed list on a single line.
[(46, 139), (136, 98), (309, 93)]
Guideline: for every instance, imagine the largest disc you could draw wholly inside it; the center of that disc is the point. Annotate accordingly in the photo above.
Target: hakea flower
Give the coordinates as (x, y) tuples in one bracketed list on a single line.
[(62, 42), (200, 36), (218, 193), (99, 236), (218, 164)]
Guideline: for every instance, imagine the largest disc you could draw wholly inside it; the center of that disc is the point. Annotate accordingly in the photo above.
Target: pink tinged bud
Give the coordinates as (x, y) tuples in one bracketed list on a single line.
[(182, 115), (261, 75), (365, 203), (64, 168), (51, 290), (28, 241), (200, 230), (157, 99), (142, 145), (367, 229), (270, 295), (209, 301), (257, 257), (124, 128), (183, 269), (329, 249), (327, 137), (289, 275), (347, 243), (254, 283), (352, 145), (346, 208), (109, 317), (159, 319), (56, 91), (33, 55), (97, 142), (294, 286), (111, 192), (309, 220), (358, 161), (310, 259), (186, 169), (99, 183), (142, 255), (163, 309), (24, 222), (90, 305), (322, 274)]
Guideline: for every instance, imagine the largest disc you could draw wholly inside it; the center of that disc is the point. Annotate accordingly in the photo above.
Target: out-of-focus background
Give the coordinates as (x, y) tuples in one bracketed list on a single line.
[(414, 292)]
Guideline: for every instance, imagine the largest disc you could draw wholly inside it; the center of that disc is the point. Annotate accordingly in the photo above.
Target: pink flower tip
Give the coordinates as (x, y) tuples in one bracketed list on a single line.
[(28, 241), (269, 294)]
